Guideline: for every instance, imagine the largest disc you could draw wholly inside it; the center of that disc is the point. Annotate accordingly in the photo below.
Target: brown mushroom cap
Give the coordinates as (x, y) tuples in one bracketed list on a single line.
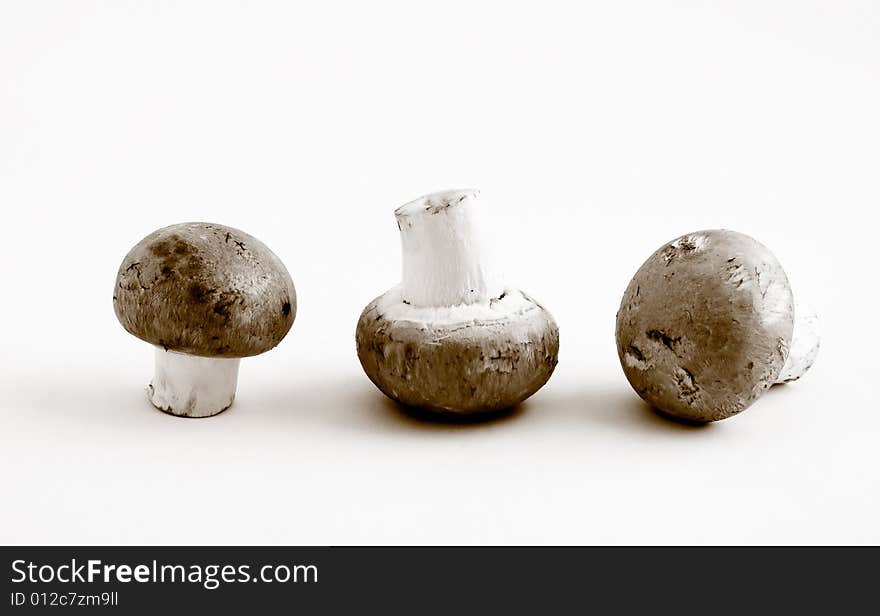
[(458, 366), (705, 325), (205, 289)]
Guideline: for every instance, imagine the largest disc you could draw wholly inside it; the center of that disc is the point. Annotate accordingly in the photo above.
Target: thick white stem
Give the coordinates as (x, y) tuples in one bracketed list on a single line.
[(446, 255), (192, 386), (805, 340)]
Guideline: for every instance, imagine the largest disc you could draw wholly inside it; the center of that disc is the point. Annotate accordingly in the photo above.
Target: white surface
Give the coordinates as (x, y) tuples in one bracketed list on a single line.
[(595, 134)]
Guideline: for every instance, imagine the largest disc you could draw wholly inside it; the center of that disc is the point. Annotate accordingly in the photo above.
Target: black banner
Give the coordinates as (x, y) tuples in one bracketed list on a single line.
[(142, 580)]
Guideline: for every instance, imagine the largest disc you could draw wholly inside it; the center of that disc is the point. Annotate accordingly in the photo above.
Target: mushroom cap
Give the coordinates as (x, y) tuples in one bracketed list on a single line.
[(464, 359), (205, 289), (705, 325)]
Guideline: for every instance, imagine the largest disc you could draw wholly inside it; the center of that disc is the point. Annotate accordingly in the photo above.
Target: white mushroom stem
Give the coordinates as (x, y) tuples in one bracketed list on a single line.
[(805, 340), (446, 256), (192, 386)]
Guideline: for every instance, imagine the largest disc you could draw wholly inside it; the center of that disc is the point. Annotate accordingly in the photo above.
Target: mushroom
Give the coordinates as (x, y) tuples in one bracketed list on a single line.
[(204, 295), (706, 326), (452, 338)]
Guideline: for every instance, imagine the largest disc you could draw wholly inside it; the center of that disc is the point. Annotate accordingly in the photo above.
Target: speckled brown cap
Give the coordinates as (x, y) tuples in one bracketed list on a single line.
[(705, 325), (205, 289), (469, 366)]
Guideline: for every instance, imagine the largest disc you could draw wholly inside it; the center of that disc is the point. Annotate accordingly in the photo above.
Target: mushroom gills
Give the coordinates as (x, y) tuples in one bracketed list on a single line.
[(191, 385)]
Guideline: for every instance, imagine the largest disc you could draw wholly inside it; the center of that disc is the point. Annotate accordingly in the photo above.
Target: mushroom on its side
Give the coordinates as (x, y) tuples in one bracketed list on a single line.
[(452, 338), (706, 326), (204, 295)]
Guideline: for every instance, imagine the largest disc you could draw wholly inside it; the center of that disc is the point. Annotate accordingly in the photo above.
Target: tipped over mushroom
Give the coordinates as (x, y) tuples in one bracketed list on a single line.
[(706, 326), (205, 296), (452, 338)]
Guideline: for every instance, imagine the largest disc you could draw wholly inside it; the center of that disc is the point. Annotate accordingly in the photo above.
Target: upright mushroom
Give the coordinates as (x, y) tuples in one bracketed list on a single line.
[(452, 338), (204, 295), (706, 326)]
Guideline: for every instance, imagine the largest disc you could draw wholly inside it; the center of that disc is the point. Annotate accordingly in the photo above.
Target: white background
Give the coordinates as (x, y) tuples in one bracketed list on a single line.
[(596, 133)]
